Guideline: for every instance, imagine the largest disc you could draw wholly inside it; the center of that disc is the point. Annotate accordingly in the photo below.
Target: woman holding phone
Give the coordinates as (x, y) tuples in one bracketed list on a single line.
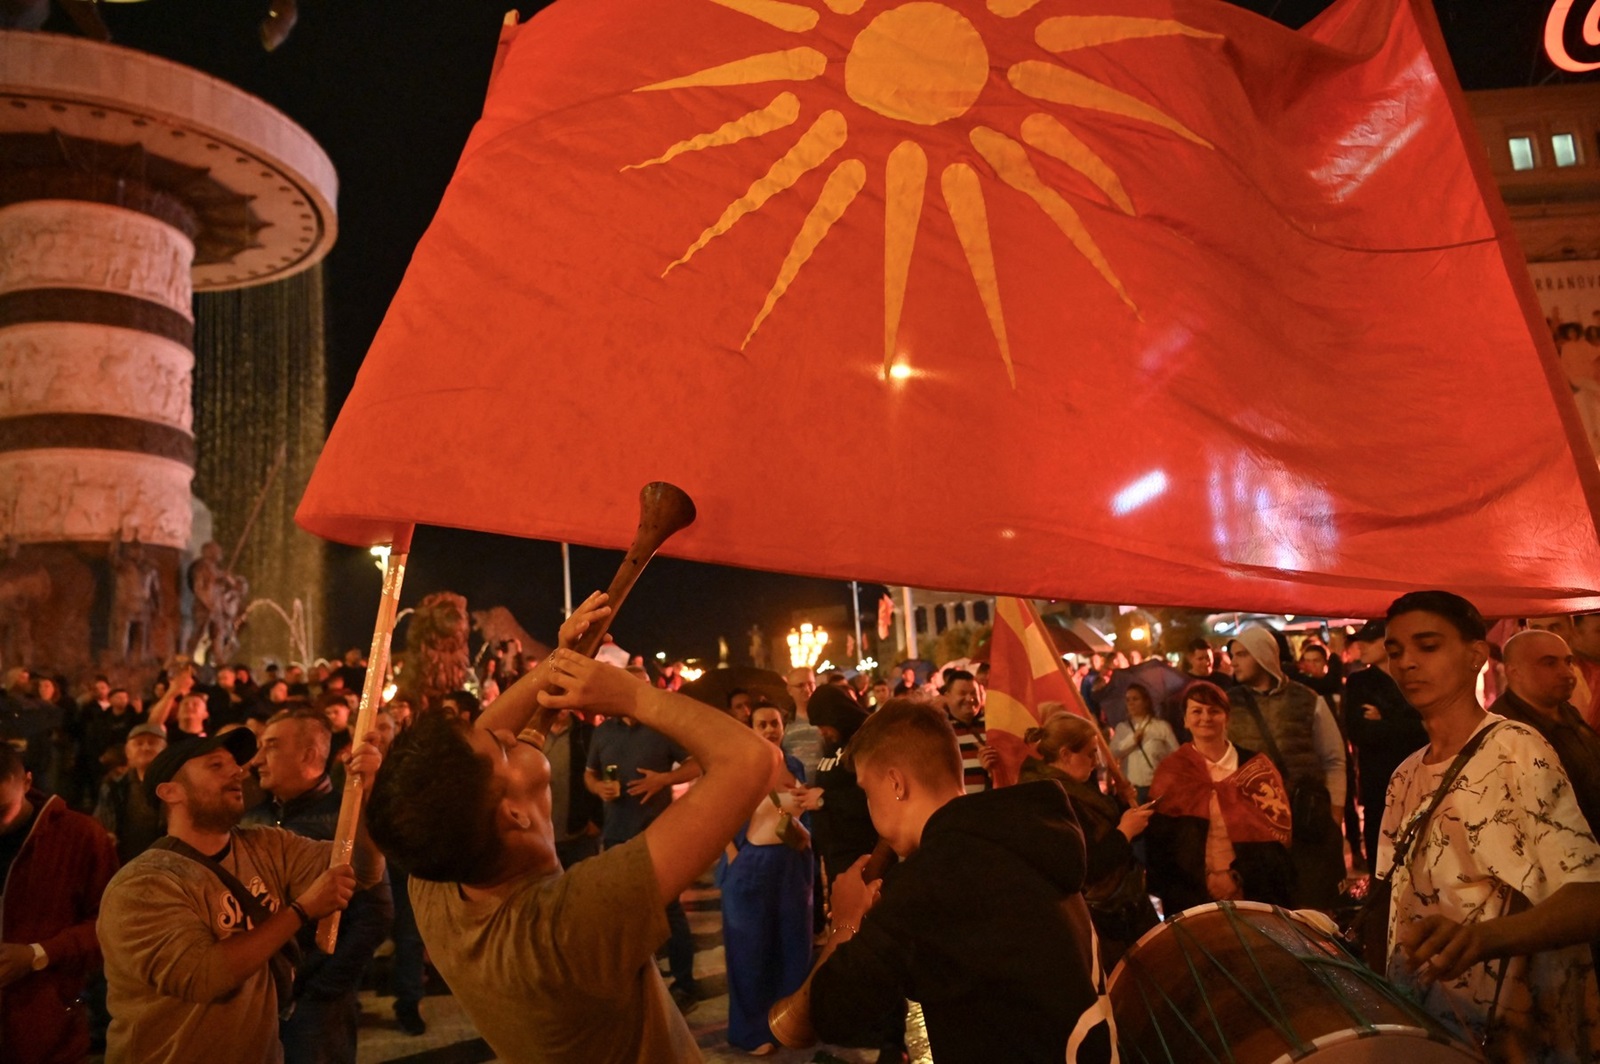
[(1069, 748)]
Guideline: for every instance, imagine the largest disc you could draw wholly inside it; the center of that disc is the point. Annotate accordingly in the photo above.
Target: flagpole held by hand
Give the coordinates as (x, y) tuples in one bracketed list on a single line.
[(394, 574)]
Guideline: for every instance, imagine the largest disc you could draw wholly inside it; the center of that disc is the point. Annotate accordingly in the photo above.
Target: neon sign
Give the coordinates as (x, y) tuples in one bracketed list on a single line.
[(1555, 29)]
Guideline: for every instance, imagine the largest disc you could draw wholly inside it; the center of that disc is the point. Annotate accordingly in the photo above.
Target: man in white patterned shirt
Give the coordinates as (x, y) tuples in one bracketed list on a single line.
[(1493, 908)]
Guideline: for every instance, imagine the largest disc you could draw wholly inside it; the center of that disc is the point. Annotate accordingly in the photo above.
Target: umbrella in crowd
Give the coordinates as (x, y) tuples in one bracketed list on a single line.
[(1156, 676), (717, 684)]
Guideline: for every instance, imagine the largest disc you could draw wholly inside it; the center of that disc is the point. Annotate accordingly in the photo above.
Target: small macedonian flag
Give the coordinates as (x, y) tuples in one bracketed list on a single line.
[(1025, 671)]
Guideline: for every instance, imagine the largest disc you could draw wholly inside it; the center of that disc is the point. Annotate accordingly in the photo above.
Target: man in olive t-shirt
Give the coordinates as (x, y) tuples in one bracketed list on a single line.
[(557, 966)]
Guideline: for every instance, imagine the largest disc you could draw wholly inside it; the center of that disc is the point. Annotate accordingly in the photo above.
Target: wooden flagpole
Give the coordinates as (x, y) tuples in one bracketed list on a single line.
[(394, 574)]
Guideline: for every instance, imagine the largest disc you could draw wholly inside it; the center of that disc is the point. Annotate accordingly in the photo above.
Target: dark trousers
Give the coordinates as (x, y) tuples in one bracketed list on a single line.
[(1371, 821), (406, 977), (766, 933), (680, 947), (321, 1031)]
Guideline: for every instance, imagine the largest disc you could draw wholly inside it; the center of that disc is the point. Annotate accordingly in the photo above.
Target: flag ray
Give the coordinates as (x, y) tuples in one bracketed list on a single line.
[(963, 198), (838, 193), (1046, 133), (781, 112), (1055, 84), (791, 17), (1011, 165), (1066, 33), (905, 181), (826, 135), (793, 64), (1012, 8)]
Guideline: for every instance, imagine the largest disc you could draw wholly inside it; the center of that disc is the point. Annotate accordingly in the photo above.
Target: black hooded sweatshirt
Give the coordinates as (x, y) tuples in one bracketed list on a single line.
[(986, 926)]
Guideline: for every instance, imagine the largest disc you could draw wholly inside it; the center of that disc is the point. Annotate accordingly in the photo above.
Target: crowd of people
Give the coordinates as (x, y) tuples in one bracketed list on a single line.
[(535, 839)]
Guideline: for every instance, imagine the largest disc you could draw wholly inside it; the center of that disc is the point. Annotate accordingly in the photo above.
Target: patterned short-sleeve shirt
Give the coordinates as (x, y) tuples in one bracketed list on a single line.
[(1509, 824)]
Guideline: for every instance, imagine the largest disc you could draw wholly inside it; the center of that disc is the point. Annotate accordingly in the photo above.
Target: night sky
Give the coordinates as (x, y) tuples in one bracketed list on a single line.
[(391, 90)]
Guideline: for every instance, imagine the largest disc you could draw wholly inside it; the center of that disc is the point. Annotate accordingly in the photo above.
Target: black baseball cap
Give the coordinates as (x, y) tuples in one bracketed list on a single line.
[(240, 742), (1371, 632)]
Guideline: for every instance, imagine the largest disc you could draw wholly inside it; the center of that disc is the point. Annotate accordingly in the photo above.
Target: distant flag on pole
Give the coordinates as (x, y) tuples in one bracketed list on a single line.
[(1025, 670)]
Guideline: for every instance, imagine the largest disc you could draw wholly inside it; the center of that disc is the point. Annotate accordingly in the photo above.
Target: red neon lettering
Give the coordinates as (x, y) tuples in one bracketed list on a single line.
[(1554, 31)]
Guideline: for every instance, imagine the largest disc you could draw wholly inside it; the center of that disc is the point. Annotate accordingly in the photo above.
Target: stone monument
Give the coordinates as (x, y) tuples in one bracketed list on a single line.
[(127, 183)]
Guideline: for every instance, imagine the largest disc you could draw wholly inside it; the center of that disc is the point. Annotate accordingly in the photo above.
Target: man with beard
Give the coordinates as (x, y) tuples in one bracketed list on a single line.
[(198, 931)]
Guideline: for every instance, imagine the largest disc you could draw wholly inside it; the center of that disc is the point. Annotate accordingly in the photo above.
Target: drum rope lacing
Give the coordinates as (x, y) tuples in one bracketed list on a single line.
[(1276, 1015)]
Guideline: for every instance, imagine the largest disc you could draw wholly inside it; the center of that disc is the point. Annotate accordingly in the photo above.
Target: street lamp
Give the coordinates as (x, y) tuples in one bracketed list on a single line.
[(806, 645)]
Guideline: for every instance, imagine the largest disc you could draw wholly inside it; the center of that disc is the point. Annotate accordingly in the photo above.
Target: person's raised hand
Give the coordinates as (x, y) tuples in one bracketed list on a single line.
[(329, 893), (1371, 713), (591, 610), (988, 757), (590, 686)]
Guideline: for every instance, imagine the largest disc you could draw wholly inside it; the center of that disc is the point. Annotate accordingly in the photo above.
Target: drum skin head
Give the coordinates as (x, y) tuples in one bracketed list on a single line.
[(1261, 985)]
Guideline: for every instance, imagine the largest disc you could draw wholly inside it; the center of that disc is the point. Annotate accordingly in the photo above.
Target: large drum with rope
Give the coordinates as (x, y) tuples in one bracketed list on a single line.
[(1247, 983)]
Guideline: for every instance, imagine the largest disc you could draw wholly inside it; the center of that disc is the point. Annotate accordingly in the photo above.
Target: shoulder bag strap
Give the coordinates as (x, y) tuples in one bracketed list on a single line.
[(283, 963), (1408, 838)]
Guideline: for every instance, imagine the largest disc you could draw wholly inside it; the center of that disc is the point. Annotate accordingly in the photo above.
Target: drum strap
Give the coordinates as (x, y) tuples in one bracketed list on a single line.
[(1096, 1014)]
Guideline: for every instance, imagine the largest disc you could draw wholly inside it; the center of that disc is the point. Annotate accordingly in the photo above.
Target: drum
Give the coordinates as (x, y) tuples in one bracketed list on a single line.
[(1251, 984)]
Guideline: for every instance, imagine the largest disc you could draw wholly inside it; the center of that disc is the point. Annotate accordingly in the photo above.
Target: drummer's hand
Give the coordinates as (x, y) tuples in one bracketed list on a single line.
[(1441, 948), (852, 896), (593, 609)]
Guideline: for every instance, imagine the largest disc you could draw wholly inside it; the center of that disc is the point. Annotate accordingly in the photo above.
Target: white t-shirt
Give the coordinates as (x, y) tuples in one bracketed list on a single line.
[(1509, 823)]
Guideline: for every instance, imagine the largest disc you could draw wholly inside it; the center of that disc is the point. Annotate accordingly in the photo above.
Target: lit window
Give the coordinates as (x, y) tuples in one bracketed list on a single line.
[(1564, 148), (1521, 153)]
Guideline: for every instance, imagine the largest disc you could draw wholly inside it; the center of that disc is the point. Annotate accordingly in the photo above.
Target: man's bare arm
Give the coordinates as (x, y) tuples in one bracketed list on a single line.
[(519, 703), (1568, 917), (739, 766)]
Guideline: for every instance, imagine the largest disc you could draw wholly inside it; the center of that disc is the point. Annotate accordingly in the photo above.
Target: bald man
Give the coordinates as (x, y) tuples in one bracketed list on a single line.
[(1540, 679), (1578, 632)]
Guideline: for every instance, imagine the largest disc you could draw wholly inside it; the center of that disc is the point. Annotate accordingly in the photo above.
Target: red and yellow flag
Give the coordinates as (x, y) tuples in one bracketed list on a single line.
[(1025, 669), (1118, 255)]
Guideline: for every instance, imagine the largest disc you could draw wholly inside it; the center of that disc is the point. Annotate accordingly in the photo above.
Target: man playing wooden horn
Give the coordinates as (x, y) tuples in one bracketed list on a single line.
[(556, 965)]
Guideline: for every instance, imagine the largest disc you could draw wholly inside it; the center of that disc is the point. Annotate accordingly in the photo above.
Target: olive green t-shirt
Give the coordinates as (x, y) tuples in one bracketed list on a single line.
[(563, 967), (163, 915)]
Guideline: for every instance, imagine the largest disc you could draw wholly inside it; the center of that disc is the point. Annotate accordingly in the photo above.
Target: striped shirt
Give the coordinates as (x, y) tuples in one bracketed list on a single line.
[(969, 737)]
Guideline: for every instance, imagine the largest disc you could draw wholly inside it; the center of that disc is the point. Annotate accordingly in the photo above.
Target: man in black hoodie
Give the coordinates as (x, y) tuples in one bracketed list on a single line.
[(984, 922)]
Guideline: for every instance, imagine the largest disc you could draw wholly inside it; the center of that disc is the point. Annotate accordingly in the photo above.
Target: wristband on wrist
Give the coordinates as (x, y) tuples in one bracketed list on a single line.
[(300, 911)]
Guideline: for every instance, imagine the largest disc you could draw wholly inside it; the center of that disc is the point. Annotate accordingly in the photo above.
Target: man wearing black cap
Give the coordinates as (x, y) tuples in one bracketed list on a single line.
[(198, 930), (1381, 726)]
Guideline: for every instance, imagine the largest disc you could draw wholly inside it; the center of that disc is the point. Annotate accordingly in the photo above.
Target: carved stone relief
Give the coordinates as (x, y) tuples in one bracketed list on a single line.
[(70, 244), (72, 367), (52, 496)]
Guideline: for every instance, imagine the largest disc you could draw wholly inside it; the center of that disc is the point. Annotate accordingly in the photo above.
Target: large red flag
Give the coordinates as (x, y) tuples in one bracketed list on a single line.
[(1221, 313), (1025, 670)]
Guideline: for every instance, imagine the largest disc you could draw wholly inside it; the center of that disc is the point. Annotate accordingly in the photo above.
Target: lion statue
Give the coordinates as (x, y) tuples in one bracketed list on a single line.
[(497, 625), (435, 660)]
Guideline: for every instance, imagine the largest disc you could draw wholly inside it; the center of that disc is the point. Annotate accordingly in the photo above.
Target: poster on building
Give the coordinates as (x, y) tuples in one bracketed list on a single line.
[(1569, 293)]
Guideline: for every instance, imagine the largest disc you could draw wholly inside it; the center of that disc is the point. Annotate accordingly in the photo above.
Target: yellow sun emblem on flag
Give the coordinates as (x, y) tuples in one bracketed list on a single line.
[(925, 64)]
